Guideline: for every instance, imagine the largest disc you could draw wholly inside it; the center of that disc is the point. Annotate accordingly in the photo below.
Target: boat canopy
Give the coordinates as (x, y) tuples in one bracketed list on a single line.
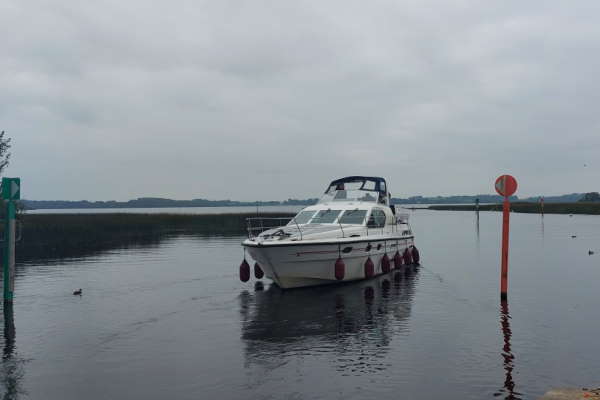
[(367, 183), (357, 188)]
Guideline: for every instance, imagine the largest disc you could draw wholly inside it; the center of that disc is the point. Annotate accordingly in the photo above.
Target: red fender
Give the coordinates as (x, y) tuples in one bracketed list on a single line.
[(339, 269), (369, 268), (407, 257), (415, 255), (385, 264), (258, 272), (244, 271), (397, 260)]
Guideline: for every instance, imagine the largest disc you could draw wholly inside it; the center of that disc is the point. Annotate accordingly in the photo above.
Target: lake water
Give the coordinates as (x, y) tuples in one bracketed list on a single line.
[(172, 320)]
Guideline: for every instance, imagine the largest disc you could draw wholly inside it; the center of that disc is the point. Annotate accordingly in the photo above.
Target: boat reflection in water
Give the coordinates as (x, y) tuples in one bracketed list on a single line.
[(355, 321)]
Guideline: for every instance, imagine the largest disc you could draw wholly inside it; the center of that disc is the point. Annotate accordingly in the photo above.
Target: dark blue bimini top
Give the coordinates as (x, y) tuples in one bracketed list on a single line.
[(380, 185)]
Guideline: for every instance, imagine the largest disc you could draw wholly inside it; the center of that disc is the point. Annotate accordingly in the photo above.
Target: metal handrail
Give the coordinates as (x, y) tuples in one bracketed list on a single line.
[(251, 228), (256, 225), (297, 226), (341, 228)]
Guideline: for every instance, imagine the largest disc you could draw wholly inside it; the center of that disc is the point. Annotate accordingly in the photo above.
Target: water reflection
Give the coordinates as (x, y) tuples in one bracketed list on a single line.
[(508, 391), (355, 322), (12, 372), (49, 250), (477, 231)]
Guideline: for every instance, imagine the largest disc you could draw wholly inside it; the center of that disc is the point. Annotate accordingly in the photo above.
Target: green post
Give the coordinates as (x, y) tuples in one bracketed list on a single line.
[(11, 191)]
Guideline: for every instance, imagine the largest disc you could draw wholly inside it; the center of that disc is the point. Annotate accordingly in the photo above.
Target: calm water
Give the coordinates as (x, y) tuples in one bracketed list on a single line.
[(172, 320)]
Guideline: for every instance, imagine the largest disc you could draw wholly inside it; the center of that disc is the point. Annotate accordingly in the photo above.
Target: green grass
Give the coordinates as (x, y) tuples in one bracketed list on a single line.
[(535, 208)]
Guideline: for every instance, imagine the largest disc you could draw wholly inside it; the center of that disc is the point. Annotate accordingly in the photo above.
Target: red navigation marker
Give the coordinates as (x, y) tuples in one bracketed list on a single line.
[(506, 185)]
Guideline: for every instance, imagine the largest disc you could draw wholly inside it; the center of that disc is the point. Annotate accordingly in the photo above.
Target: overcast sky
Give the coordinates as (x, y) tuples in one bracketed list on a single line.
[(273, 99)]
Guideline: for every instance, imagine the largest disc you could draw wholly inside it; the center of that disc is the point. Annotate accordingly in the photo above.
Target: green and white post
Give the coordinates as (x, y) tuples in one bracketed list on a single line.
[(11, 191)]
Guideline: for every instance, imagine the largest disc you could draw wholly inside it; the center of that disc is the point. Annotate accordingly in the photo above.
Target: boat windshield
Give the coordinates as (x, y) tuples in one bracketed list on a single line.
[(302, 218), (351, 191), (325, 216), (353, 217)]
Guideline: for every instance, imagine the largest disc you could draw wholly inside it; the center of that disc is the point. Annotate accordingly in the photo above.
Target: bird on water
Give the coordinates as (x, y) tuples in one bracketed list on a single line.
[(77, 292)]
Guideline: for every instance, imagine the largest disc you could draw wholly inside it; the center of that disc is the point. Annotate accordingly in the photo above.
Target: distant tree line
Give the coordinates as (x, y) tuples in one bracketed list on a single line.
[(157, 202), (589, 197), (485, 198)]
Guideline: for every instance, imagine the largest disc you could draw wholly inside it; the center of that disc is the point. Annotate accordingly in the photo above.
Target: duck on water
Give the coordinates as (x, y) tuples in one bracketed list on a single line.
[(352, 233)]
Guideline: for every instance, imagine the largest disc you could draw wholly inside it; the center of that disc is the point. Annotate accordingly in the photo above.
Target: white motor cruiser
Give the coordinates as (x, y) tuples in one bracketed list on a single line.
[(352, 233)]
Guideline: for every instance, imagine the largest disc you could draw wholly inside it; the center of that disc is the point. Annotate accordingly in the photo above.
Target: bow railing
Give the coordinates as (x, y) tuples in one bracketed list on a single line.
[(257, 225)]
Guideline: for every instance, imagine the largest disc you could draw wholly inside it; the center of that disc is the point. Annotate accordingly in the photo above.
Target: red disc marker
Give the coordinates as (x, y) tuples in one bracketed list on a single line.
[(506, 185)]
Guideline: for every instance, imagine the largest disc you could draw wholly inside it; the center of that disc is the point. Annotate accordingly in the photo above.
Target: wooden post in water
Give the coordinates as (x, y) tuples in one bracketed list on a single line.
[(506, 186), (542, 206), (11, 190)]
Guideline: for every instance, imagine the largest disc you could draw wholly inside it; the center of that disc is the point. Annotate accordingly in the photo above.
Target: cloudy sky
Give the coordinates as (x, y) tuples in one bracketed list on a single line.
[(273, 99)]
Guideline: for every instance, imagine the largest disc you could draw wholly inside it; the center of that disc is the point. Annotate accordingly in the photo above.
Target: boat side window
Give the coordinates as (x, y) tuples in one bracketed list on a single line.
[(376, 219), (368, 185), (325, 216), (353, 217), (302, 218)]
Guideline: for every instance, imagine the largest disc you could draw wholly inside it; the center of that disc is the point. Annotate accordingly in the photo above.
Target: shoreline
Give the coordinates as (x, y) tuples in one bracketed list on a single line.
[(529, 208)]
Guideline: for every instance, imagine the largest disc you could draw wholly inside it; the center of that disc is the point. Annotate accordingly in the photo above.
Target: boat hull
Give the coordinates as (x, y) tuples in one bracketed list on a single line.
[(311, 264)]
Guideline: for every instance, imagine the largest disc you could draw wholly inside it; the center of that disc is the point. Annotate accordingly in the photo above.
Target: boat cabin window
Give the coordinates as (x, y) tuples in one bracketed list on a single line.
[(351, 191), (325, 216), (302, 218), (353, 217), (376, 219), (367, 185)]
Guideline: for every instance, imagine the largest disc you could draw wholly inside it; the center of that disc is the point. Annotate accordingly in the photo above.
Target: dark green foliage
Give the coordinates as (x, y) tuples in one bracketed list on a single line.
[(4, 151), (484, 198), (155, 202), (592, 196), (459, 199), (57, 236)]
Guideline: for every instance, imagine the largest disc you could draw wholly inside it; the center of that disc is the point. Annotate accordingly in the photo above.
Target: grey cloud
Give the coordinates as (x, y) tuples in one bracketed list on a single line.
[(270, 99)]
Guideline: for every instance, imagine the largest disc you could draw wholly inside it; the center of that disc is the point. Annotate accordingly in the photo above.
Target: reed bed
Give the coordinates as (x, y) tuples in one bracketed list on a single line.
[(58, 236)]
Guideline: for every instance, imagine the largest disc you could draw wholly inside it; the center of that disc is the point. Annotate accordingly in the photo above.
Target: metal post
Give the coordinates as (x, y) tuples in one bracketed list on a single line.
[(11, 190), (506, 186), (9, 251), (505, 232)]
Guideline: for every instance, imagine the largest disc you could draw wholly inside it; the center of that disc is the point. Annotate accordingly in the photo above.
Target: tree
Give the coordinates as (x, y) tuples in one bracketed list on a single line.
[(4, 151), (592, 196)]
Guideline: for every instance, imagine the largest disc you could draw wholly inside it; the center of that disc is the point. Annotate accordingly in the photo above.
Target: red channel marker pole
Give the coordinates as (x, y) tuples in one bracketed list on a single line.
[(505, 233), (506, 186)]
